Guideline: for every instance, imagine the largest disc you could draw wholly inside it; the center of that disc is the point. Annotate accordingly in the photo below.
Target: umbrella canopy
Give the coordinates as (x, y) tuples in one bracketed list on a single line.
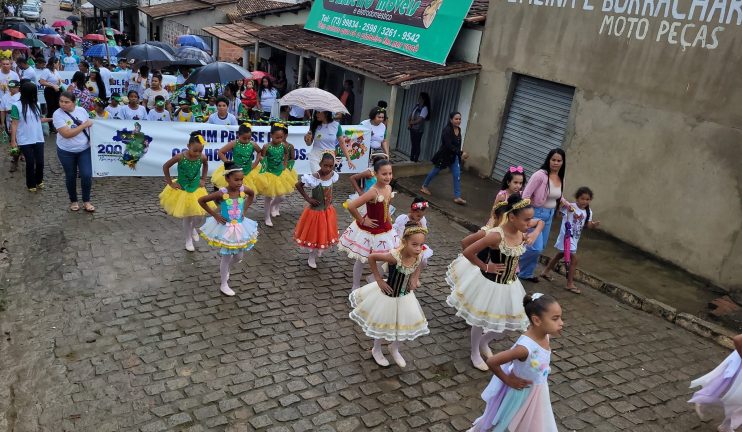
[(164, 45), (99, 50), (188, 63), (187, 52), (61, 23), (12, 45), (218, 72), (46, 31), (73, 37), (94, 37), (193, 41), (14, 33), (33, 43), (53, 39), (314, 99), (145, 52), (21, 27), (259, 75), (73, 18)]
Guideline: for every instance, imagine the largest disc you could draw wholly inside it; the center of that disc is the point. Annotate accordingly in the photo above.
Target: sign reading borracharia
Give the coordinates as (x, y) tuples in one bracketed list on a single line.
[(424, 29)]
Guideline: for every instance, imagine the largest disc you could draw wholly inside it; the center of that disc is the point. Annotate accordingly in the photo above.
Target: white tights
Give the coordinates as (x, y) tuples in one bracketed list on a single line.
[(271, 208), (479, 344), (358, 272), (224, 265), (189, 229)]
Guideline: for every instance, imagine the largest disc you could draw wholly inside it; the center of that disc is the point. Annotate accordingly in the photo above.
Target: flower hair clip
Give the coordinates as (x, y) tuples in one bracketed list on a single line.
[(419, 205), (518, 169)]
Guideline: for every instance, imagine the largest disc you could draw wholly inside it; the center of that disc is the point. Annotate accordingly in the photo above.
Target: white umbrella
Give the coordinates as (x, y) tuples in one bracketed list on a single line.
[(314, 99)]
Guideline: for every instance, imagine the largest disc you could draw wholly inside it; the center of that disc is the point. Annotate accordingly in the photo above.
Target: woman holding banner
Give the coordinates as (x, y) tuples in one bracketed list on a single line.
[(73, 149), (51, 80)]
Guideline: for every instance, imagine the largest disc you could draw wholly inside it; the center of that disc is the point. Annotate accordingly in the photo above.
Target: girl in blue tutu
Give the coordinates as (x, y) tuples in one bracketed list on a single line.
[(229, 229)]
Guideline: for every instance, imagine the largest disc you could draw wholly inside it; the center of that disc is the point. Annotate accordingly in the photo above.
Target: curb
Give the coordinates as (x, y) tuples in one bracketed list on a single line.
[(625, 295)]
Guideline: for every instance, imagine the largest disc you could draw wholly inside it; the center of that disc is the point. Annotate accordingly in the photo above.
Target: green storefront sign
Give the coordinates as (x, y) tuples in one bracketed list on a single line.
[(424, 29)]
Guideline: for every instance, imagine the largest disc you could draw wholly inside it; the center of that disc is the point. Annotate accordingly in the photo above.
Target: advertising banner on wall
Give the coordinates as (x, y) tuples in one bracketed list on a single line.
[(424, 29), (140, 148)]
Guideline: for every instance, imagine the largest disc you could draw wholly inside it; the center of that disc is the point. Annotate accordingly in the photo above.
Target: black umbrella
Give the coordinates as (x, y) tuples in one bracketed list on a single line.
[(218, 72), (21, 27), (164, 45), (187, 52), (73, 18), (145, 53), (188, 63)]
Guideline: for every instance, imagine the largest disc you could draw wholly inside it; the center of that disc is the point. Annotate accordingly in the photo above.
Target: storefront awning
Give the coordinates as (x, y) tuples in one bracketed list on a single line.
[(236, 34), (477, 12), (179, 7), (388, 67), (113, 5)]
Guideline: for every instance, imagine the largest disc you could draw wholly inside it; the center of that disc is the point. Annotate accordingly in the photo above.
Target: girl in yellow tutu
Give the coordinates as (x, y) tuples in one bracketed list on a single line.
[(276, 178), (388, 309), (180, 197), (242, 150)]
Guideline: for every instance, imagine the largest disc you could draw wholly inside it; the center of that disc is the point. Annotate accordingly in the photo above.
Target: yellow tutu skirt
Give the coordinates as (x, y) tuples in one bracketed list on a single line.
[(218, 180), (271, 185), (180, 203)]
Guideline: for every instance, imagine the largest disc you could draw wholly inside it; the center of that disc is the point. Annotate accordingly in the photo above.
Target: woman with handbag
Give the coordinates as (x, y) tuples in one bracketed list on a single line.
[(449, 155), (73, 149)]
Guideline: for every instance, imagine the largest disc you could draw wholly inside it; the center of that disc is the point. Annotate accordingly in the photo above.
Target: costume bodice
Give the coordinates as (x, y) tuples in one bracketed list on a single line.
[(379, 213), (273, 160), (399, 275), (189, 173), (504, 254), (242, 155), (231, 208), (536, 367)]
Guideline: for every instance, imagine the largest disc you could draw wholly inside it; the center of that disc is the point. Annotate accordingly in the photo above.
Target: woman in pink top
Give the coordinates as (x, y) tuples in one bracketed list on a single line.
[(544, 189)]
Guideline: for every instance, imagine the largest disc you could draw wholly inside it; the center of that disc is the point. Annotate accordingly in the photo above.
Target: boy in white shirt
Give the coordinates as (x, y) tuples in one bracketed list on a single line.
[(114, 107), (159, 113)]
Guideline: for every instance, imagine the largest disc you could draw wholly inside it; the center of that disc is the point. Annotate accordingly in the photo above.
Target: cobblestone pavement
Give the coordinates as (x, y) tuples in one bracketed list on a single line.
[(111, 326)]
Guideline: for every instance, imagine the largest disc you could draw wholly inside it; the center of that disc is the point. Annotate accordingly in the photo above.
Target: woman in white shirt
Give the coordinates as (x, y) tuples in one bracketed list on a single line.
[(324, 135), (222, 116), (375, 122), (51, 80), (26, 133), (73, 149), (155, 90), (267, 95)]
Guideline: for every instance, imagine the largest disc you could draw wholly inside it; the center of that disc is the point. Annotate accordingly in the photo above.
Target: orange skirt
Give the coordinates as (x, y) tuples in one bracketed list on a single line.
[(317, 229)]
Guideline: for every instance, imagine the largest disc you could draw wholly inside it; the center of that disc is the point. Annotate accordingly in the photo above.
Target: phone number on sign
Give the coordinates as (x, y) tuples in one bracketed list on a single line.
[(392, 32)]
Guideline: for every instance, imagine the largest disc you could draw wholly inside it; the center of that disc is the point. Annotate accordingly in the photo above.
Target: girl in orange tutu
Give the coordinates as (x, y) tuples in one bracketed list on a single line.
[(317, 229)]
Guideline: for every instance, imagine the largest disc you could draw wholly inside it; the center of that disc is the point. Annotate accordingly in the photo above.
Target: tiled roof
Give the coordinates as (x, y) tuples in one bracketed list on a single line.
[(178, 7), (389, 67), (236, 34), (253, 8), (478, 12)]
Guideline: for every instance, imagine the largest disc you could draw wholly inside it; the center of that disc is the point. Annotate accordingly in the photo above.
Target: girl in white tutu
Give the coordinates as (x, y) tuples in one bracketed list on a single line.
[(517, 397), (416, 215), (485, 289), (229, 229), (389, 309), (373, 232), (722, 387)]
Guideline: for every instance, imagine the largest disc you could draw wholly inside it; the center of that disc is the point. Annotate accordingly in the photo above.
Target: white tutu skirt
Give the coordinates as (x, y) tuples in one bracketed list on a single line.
[(722, 387), (384, 317), (359, 244), (231, 238), (362, 209), (482, 302)]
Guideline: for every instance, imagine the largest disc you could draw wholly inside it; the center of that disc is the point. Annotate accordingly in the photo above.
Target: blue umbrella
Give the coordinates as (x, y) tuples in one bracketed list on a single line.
[(99, 50), (193, 41), (46, 30)]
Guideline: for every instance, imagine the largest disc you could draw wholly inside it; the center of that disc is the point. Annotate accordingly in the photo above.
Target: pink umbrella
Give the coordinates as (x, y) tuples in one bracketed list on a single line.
[(62, 23), (14, 33), (52, 40), (259, 75), (95, 37), (13, 45), (73, 37)]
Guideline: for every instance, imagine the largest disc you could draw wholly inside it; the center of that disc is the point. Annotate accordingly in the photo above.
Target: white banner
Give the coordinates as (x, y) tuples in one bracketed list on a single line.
[(140, 148)]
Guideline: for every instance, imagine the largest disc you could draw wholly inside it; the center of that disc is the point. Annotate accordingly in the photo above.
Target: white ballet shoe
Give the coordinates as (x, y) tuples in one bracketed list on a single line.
[(226, 290), (398, 357), (195, 236), (485, 350), (311, 262), (275, 211), (268, 222), (379, 358), (189, 245), (477, 362)]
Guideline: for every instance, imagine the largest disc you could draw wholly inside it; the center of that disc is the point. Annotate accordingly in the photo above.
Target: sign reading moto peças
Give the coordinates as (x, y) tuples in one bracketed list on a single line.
[(424, 29)]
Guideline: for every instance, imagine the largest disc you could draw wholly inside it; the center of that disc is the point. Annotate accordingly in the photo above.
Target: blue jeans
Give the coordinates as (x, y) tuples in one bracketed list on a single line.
[(529, 259), (455, 174), (72, 163)]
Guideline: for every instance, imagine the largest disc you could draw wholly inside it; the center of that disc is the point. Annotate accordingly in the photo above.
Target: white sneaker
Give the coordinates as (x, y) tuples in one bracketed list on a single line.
[(195, 236), (189, 245), (379, 358), (226, 290)]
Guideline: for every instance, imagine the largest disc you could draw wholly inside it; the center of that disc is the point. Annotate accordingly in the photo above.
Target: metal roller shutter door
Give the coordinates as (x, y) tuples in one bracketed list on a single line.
[(536, 123), (444, 98)]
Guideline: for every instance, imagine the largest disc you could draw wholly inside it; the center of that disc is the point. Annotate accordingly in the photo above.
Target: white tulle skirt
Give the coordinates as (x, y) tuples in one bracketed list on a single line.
[(384, 317), (482, 302)]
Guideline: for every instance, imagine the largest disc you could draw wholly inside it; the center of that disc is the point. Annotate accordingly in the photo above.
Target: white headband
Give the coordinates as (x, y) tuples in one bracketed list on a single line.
[(536, 296), (229, 171)]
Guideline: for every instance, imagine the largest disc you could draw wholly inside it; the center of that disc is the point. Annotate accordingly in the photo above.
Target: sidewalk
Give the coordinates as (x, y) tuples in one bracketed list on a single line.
[(602, 255)]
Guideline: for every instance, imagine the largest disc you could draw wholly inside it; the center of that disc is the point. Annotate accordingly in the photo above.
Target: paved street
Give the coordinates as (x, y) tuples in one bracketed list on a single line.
[(112, 326)]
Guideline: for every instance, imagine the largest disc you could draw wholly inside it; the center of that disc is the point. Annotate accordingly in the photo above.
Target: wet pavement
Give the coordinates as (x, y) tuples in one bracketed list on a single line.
[(600, 254), (112, 326)]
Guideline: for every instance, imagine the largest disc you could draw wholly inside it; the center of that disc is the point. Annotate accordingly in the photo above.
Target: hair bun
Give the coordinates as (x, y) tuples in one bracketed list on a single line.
[(526, 300)]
